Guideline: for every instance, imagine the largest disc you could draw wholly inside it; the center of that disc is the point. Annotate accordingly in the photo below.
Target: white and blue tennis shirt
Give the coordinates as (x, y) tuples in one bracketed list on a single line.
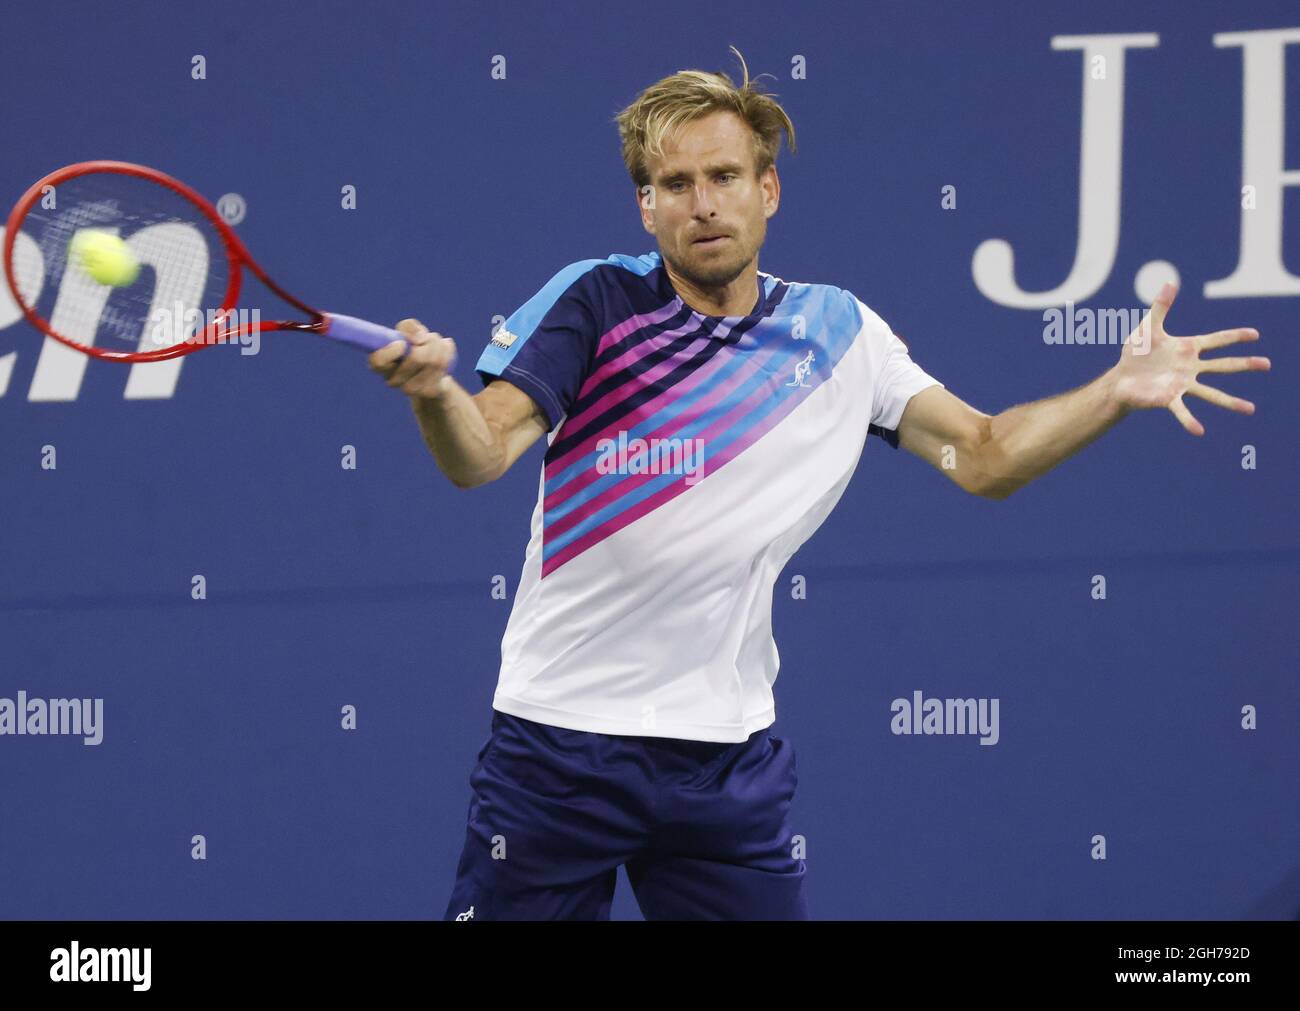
[(688, 459)]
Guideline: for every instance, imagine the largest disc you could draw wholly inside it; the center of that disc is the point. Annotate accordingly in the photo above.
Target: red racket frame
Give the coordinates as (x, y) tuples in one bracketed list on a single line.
[(237, 256)]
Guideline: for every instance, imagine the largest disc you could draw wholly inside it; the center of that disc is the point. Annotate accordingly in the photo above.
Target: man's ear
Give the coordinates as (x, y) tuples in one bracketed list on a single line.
[(775, 182)]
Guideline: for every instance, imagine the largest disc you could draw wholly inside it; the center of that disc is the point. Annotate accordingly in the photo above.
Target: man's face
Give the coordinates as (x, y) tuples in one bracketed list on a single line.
[(704, 185)]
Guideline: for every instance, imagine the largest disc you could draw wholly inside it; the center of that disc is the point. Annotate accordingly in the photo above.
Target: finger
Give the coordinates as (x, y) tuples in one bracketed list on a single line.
[(1254, 363), (385, 358), (1221, 399), (1184, 416), (1222, 338), (416, 360), (1160, 306), (427, 358), (432, 380), (410, 328), (446, 352)]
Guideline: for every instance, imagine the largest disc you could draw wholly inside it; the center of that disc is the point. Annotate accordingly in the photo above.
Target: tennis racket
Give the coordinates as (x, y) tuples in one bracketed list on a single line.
[(169, 277)]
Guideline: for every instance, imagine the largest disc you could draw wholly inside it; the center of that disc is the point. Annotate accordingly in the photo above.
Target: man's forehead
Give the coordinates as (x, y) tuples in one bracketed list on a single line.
[(707, 144), (714, 134)]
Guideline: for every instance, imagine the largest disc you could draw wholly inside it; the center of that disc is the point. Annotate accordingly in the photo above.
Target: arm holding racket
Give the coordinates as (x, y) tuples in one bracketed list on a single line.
[(474, 439)]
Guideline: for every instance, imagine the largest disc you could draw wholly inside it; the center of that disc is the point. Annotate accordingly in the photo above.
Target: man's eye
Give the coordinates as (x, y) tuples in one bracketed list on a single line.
[(727, 175)]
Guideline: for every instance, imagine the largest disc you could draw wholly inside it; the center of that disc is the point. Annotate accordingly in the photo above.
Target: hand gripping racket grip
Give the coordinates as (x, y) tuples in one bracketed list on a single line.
[(359, 332)]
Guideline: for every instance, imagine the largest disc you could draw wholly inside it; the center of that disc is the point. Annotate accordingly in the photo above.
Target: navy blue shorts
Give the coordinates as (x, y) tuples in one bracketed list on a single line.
[(702, 828)]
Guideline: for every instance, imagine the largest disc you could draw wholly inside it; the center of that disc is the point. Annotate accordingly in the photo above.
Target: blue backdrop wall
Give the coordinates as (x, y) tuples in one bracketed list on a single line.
[(1128, 717)]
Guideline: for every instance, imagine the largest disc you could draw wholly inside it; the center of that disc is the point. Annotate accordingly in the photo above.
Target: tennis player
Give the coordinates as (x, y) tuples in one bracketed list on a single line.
[(703, 418)]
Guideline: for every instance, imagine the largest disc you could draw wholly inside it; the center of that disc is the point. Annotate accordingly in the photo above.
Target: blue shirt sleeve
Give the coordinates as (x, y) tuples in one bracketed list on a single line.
[(547, 346)]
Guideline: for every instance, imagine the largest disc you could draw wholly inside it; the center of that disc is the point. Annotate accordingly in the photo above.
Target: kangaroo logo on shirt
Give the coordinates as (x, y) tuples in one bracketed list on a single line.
[(802, 370), (467, 915)]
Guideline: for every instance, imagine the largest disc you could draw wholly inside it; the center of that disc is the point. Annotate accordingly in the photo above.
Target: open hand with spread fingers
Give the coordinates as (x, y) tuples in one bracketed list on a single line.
[(1156, 369)]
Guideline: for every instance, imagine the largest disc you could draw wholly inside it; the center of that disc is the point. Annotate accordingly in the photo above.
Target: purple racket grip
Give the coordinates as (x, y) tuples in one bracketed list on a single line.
[(359, 332)]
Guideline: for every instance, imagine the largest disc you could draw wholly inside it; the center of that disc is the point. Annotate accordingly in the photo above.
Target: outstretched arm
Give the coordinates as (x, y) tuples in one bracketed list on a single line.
[(992, 456)]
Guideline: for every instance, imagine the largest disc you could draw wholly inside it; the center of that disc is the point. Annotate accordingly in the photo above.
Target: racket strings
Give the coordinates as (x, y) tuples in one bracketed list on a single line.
[(182, 274)]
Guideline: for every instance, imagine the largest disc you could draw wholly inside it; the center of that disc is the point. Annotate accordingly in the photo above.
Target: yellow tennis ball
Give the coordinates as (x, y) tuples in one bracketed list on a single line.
[(105, 257)]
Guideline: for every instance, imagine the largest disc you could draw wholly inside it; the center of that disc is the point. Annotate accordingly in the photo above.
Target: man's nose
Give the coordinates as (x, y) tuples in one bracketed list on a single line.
[(703, 202)]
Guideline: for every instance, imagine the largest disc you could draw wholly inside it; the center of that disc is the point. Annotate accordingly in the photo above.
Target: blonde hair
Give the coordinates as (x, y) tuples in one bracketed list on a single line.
[(669, 104)]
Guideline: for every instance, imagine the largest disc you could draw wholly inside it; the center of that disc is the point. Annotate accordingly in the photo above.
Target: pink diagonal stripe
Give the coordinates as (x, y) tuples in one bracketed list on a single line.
[(631, 482), (643, 411), (666, 494), (625, 390), (620, 330), (557, 496)]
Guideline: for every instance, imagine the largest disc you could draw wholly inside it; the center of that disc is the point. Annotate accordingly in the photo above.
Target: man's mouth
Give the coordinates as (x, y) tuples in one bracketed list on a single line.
[(711, 241)]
